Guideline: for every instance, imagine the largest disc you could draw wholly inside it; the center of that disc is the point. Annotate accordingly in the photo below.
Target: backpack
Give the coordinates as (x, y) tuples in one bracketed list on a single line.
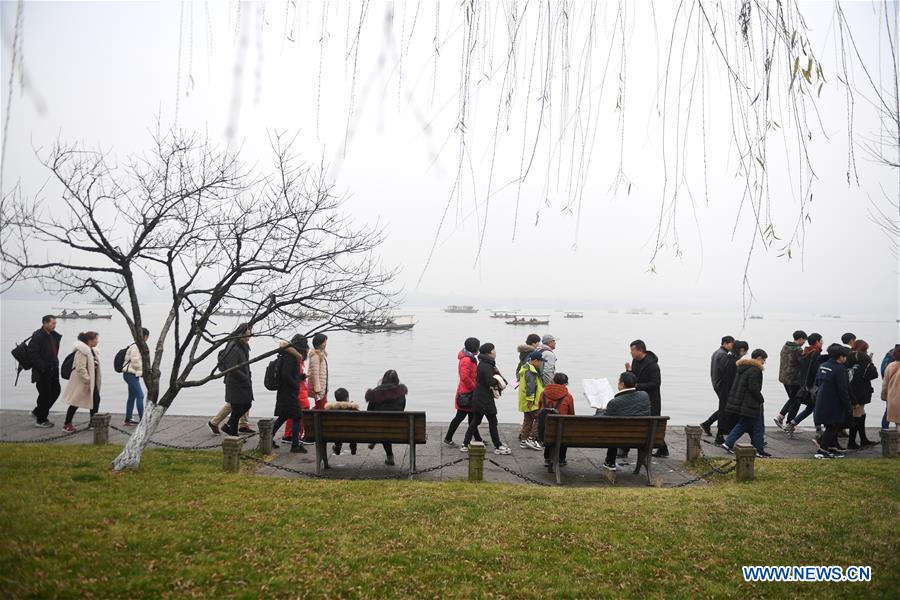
[(68, 363), (542, 418), (20, 354), (119, 359), (272, 378), (220, 359)]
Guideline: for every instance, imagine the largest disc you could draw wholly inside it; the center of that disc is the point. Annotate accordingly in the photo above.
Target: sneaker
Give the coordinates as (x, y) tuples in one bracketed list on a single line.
[(763, 454), (822, 454), (836, 452), (389, 460), (609, 466), (213, 428), (69, 428), (523, 444), (463, 448), (274, 443), (661, 454), (727, 448), (298, 450), (129, 423), (706, 429), (779, 421), (533, 444), (449, 443), (44, 424), (335, 450), (246, 429), (228, 431), (502, 450)]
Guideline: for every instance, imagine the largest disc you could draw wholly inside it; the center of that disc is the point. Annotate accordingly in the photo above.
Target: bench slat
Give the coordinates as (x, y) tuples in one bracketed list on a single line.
[(362, 426)]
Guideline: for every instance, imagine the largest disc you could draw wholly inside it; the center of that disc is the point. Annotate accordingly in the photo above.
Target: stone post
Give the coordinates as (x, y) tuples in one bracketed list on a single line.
[(692, 435), (476, 461), (890, 443), (745, 456), (100, 423), (231, 448), (264, 426)]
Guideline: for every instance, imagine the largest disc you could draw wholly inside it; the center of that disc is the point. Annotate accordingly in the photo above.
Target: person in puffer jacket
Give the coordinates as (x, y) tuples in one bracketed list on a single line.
[(532, 343), (557, 396), (531, 386), (342, 402), (390, 395), (318, 371), (746, 400), (466, 366)]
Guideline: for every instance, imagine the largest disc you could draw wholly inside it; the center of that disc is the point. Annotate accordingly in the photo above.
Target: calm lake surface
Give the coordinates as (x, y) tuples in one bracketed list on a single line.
[(425, 358)]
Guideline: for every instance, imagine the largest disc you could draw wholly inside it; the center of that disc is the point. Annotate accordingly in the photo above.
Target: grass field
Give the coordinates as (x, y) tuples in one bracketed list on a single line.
[(179, 527)]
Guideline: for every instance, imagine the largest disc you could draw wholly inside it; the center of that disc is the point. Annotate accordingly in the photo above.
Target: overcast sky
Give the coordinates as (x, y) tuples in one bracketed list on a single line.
[(101, 72)]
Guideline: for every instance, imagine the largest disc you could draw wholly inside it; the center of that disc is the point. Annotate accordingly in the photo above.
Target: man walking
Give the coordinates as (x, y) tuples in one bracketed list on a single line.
[(43, 350), (746, 400), (548, 352), (791, 376), (645, 366), (717, 366)]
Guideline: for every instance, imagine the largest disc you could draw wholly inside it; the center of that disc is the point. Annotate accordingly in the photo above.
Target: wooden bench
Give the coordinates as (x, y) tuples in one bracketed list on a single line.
[(365, 427), (575, 431)]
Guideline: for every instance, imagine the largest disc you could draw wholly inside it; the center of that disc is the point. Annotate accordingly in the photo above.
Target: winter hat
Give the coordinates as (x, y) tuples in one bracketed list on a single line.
[(548, 338), (486, 348), (536, 355)]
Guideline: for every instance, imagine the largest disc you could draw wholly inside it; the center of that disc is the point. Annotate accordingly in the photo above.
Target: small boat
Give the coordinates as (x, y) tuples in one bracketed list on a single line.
[(227, 312), (756, 316), (74, 314), (529, 320), (573, 315), (638, 311), (505, 314), (464, 308), (386, 324)]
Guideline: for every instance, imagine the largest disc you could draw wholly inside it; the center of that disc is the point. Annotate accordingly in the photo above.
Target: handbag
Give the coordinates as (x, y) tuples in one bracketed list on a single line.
[(464, 400)]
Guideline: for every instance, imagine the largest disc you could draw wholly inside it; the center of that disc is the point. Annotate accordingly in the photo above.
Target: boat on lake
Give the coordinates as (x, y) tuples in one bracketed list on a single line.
[(756, 316), (505, 314), (638, 311), (573, 315), (387, 324), (74, 314), (530, 320), (463, 308), (228, 312)]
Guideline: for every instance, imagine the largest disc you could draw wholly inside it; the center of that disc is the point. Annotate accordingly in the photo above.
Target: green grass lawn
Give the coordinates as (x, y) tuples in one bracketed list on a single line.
[(180, 527)]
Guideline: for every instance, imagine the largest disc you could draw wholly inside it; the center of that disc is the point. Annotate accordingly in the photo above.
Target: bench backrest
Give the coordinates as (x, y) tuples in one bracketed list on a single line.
[(603, 432), (363, 426)]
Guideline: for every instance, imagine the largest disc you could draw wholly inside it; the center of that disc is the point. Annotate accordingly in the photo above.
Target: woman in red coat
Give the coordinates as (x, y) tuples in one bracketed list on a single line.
[(467, 366), (302, 396)]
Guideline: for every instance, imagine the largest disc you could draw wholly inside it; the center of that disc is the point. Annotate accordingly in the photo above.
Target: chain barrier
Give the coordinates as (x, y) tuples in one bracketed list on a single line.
[(517, 474), (439, 467), (198, 446), (279, 467), (52, 438)]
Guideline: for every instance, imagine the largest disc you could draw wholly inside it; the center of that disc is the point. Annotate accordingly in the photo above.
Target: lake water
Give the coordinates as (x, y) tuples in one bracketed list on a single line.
[(425, 358)]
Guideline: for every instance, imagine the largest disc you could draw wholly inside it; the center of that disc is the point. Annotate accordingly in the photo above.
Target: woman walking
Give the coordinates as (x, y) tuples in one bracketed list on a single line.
[(863, 371), (132, 373), (238, 379), (292, 395), (83, 389), (890, 390), (389, 395), (483, 404), (467, 366)]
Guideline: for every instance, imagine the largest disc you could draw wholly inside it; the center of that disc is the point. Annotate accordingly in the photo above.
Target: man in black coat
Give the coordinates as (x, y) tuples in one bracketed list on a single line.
[(717, 364), (645, 366), (628, 402), (746, 400), (43, 350), (238, 383), (729, 373)]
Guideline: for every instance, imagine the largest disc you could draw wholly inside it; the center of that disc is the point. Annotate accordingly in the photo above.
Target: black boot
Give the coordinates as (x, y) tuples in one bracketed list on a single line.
[(851, 443), (861, 427)]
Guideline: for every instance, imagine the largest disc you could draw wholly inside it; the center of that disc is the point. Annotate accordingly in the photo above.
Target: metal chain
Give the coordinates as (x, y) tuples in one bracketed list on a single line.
[(197, 446), (519, 475), (46, 439), (438, 467), (279, 467)]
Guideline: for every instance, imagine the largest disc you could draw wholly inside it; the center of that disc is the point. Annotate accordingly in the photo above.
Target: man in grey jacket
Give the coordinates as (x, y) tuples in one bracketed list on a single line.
[(548, 351), (628, 402), (717, 364)]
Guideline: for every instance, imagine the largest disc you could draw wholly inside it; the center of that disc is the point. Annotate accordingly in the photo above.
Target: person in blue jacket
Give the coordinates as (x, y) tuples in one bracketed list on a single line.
[(832, 400)]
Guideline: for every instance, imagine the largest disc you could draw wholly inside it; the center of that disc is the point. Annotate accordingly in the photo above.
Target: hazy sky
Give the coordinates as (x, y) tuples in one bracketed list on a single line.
[(101, 72)]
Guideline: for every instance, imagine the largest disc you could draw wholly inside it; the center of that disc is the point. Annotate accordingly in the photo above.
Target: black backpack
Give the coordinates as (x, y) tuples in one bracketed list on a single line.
[(272, 378), (22, 358), (220, 359), (119, 359), (542, 418), (68, 363)]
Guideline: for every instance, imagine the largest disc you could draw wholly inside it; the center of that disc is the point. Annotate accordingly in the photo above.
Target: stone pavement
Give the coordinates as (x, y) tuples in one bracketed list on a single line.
[(583, 469)]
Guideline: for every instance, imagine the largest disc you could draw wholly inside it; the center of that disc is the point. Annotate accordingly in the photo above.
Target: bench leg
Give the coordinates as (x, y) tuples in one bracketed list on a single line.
[(318, 458), (640, 461), (648, 452), (324, 453), (412, 460)]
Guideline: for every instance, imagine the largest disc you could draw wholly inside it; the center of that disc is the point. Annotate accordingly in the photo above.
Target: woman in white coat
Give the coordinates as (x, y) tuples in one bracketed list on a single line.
[(83, 389)]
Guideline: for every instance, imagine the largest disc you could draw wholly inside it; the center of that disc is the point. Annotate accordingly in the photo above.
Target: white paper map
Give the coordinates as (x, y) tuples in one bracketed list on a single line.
[(597, 391)]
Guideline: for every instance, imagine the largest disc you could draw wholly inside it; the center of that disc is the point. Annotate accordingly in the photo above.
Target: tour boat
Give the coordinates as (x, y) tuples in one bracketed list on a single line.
[(465, 308)]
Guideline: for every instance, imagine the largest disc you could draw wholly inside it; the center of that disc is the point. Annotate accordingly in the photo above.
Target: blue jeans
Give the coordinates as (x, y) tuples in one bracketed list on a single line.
[(295, 429), (803, 414), (754, 425), (135, 396)]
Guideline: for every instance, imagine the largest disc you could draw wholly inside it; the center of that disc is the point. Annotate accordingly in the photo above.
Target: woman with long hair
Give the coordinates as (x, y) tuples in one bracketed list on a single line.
[(83, 389)]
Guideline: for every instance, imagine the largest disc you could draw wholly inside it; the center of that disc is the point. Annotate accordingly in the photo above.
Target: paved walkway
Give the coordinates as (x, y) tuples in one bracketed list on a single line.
[(583, 469)]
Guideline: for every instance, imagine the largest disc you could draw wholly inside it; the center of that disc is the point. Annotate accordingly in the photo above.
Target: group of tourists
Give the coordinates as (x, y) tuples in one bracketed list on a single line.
[(834, 386), (543, 389), (82, 369)]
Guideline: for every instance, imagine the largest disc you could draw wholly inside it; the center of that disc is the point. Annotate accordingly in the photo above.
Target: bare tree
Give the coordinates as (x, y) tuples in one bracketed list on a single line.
[(211, 233)]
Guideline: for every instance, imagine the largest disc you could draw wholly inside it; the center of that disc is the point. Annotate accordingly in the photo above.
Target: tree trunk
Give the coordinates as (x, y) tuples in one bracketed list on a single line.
[(130, 457)]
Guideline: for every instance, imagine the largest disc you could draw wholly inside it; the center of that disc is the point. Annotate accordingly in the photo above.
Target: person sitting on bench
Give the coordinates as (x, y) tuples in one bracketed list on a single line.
[(628, 402)]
